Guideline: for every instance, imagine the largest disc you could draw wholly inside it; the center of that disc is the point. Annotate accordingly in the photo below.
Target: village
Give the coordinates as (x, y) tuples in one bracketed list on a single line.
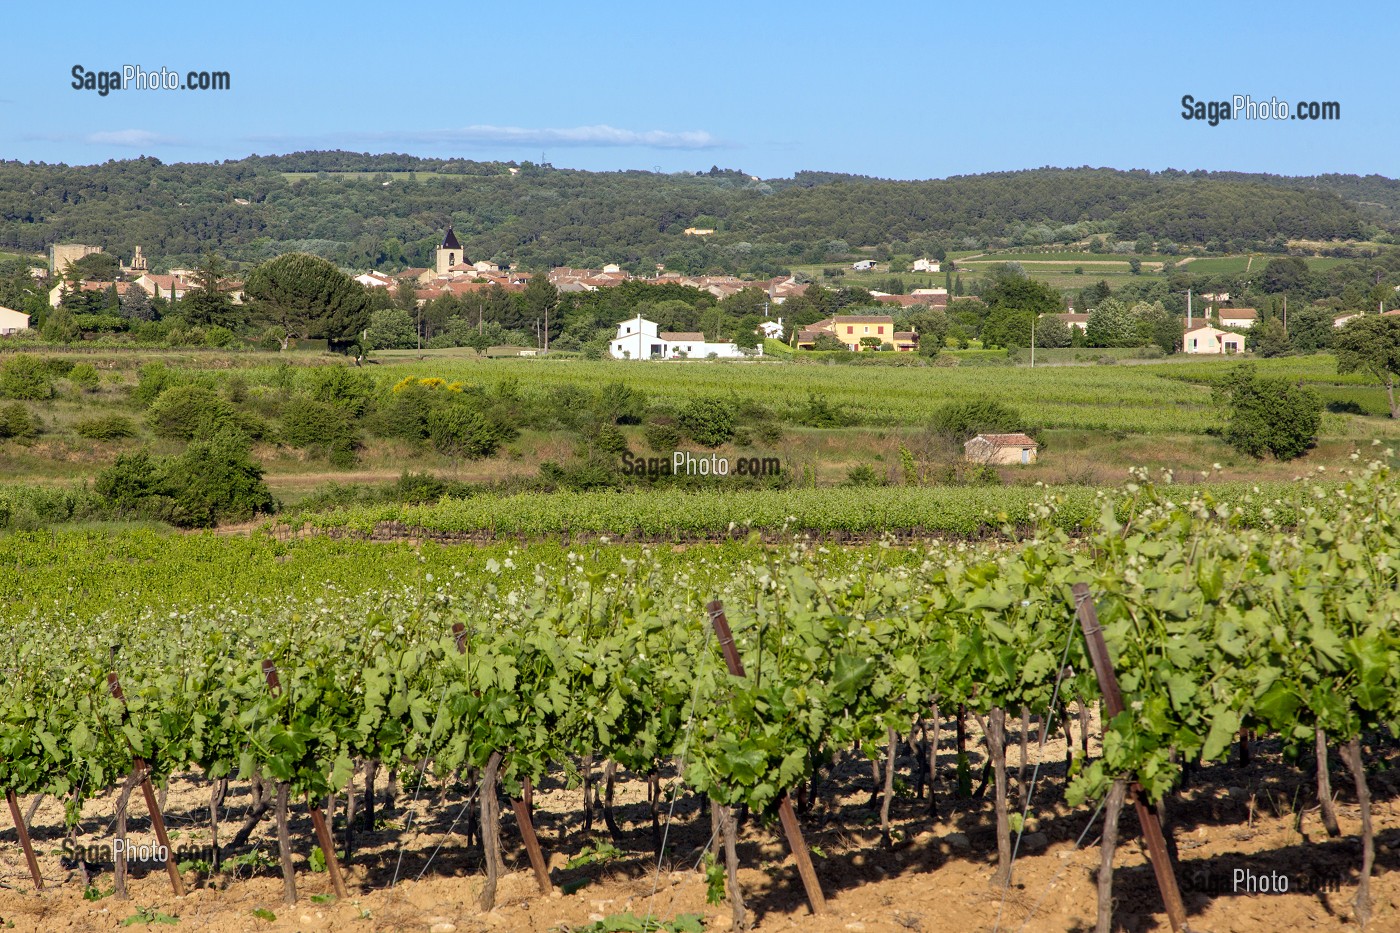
[(1218, 328)]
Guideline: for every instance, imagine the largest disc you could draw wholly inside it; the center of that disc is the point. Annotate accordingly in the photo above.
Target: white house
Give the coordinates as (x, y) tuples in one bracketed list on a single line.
[(865, 265), (374, 279), (772, 329), (1243, 318), (638, 339), (1079, 322), (1341, 319), (12, 322), (926, 265), (1207, 339)]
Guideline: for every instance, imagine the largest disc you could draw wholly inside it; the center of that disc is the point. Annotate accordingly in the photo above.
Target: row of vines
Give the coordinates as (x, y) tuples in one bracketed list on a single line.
[(1215, 624)]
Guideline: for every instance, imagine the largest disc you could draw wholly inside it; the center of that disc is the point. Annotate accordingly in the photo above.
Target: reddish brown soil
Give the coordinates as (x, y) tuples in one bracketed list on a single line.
[(935, 877)]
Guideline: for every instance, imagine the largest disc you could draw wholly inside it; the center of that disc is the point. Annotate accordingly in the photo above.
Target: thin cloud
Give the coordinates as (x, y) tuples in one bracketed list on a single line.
[(129, 138), (597, 136)]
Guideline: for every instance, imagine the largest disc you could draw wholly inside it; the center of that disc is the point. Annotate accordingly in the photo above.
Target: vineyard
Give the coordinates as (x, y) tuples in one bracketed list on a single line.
[(673, 514), (455, 674)]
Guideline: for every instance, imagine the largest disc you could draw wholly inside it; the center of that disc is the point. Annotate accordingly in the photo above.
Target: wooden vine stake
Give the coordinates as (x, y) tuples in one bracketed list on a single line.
[(791, 828), (24, 841), (139, 766), (520, 805), (1113, 705), (318, 820)]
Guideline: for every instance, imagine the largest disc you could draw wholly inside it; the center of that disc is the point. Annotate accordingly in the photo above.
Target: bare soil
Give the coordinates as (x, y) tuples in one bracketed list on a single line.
[(414, 870)]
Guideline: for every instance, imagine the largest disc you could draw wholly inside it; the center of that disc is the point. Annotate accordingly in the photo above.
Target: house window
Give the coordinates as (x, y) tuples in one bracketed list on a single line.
[(880, 329), (867, 328), (1193, 343), (850, 330)]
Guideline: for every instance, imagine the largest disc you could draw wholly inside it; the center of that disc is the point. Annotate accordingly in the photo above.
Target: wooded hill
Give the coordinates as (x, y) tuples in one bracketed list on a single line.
[(362, 210)]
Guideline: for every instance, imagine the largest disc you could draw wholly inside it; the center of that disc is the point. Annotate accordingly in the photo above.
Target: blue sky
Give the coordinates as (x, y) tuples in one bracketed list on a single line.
[(899, 90)]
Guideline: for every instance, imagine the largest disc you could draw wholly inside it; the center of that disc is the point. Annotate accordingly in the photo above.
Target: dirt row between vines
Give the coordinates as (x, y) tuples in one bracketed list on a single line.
[(414, 871)]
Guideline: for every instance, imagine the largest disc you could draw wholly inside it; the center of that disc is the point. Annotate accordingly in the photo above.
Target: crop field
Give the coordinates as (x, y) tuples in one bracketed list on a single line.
[(1099, 397), (265, 680), (952, 512)]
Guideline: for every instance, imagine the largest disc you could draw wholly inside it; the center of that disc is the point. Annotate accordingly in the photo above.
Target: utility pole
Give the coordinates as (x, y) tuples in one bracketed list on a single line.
[(1033, 340), (1285, 312)]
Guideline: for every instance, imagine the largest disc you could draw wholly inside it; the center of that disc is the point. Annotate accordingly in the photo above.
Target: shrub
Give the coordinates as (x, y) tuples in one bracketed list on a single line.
[(959, 421), (707, 422), (106, 428), (863, 475), (153, 379), (26, 378), (662, 437), (819, 413), (58, 367), (344, 386), (459, 431), (621, 404), (404, 414), (312, 424), (215, 480), (30, 508), (84, 376), (768, 432), (1272, 416), (608, 439), (16, 421), (218, 336), (184, 411), (129, 483)]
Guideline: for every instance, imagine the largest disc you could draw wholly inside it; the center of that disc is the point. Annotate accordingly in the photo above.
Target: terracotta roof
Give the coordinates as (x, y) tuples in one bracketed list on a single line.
[(1007, 440), (678, 336), (1243, 314), (1071, 317), (858, 318), (1391, 312)]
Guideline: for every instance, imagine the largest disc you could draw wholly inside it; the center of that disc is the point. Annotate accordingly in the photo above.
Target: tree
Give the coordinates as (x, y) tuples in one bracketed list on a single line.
[(1371, 344), (959, 421), (825, 341), (1111, 324), (1051, 332), (391, 329), (931, 324), (1012, 289), (1157, 325), (1271, 339), (136, 304), (96, 267), (540, 301), (1286, 273), (1311, 329), (1008, 327), (1134, 265), (1271, 416), (309, 298), (207, 304)]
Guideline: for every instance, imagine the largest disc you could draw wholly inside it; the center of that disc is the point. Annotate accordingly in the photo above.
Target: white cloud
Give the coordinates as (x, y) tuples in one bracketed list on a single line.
[(598, 135), (129, 138)]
